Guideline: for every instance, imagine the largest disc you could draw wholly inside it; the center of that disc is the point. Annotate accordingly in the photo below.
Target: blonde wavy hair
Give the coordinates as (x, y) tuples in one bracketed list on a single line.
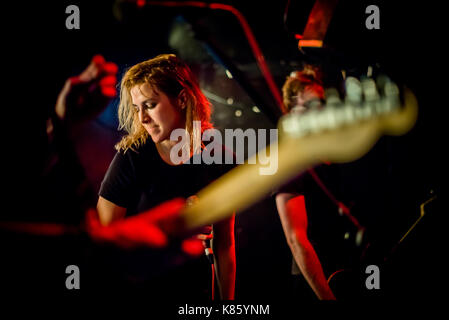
[(169, 74)]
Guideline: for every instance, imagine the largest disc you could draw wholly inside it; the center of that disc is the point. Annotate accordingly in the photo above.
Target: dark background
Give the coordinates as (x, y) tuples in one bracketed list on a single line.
[(41, 53)]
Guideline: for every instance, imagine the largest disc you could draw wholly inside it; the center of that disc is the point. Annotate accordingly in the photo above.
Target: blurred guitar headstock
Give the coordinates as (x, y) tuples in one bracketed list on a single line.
[(346, 127)]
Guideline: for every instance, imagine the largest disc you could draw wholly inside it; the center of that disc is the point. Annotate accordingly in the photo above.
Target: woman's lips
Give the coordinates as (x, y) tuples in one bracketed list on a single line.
[(152, 128)]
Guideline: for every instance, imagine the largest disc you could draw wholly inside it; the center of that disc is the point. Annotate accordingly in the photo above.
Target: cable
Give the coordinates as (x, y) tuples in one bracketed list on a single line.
[(341, 207), (210, 256), (213, 282), (257, 52)]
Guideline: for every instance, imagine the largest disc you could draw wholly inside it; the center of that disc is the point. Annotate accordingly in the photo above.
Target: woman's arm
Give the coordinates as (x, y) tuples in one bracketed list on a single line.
[(224, 249), (109, 212), (293, 215)]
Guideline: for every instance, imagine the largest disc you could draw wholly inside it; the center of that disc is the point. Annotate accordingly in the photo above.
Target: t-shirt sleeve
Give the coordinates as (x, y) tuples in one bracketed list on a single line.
[(120, 184), (227, 164), (296, 185)]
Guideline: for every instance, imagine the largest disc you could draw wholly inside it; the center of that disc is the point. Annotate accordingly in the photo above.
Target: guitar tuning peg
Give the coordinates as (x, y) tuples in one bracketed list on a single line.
[(332, 97), (349, 113), (389, 95), (295, 125), (353, 90), (381, 81), (391, 89), (369, 89), (391, 92), (331, 118), (311, 122)]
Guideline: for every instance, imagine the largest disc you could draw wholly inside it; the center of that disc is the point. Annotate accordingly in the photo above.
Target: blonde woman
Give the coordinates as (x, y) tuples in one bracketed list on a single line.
[(158, 96)]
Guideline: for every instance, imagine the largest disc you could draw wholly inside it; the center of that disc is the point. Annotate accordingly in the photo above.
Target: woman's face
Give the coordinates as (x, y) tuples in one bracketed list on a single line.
[(158, 114)]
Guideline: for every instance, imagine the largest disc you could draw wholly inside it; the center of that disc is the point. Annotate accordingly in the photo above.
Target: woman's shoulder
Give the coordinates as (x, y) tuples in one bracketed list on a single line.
[(138, 151), (132, 159)]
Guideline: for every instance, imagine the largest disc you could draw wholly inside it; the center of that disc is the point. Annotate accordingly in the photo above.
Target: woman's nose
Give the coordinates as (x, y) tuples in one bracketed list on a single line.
[(144, 117)]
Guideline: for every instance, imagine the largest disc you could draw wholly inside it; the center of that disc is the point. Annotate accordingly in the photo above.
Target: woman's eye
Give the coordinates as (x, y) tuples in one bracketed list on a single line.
[(146, 106)]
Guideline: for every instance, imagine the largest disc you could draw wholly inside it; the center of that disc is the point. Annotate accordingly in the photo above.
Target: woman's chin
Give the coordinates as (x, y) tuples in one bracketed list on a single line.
[(157, 138), (155, 135)]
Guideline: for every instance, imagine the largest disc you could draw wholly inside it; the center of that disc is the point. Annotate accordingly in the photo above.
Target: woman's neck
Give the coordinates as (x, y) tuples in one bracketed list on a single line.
[(164, 148)]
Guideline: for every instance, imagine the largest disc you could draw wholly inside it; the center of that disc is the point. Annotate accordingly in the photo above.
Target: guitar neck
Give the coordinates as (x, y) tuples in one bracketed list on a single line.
[(245, 185)]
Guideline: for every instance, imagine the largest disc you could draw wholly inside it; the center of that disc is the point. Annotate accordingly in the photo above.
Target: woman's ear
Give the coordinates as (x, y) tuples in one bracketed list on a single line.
[(182, 99)]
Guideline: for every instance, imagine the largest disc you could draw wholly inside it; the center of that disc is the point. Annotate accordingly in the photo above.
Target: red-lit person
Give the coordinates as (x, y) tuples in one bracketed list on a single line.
[(86, 95), (302, 90), (82, 98), (158, 96)]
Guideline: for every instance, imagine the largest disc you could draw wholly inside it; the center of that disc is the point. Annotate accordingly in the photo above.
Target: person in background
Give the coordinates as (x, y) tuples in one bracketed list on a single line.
[(302, 91)]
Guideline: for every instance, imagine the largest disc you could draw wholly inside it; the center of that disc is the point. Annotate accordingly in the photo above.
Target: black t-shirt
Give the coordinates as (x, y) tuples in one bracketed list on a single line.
[(139, 180)]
